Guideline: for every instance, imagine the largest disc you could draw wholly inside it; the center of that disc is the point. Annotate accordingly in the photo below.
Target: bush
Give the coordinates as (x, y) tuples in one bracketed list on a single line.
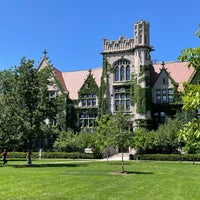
[(167, 157), (65, 155)]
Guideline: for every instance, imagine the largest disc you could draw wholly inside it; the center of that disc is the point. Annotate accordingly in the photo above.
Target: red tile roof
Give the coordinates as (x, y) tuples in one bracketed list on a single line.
[(179, 71), (75, 79), (60, 77)]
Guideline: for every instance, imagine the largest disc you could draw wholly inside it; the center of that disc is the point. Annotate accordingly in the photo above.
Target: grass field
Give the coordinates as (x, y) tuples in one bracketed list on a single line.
[(97, 180)]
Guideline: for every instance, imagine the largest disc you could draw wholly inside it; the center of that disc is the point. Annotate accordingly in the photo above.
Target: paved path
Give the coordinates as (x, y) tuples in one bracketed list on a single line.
[(118, 157)]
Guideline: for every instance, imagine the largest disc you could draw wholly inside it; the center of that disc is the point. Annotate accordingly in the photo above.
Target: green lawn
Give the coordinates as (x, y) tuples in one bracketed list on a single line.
[(94, 180)]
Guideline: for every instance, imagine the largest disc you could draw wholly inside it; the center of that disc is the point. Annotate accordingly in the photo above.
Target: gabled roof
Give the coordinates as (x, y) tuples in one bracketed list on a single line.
[(75, 79), (164, 72), (44, 63), (178, 71), (60, 78)]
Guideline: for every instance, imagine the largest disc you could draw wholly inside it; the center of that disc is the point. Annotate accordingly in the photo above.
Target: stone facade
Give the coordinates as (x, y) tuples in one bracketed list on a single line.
[(130, 74), (126, 57)]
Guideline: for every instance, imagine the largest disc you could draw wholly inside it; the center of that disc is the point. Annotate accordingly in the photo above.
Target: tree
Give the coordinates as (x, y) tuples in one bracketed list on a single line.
[(122, 133), (27, 101), (104, 131), (8, 114), (66, 141), (190, 132)]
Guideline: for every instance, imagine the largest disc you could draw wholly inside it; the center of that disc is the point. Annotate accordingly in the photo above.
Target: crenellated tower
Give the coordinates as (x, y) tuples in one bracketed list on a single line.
[(128, 72)]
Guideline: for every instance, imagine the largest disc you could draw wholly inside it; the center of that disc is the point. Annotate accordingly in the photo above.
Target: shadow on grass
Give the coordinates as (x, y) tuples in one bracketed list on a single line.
[(132, 172), (118, 163), (48, 165)]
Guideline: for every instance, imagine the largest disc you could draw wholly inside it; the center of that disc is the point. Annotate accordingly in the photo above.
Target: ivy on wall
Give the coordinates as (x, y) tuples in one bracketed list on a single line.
[(142, 97), (89, 87), (102, 90)]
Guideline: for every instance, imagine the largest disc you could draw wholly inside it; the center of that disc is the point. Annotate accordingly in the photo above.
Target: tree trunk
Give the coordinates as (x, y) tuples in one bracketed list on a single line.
[(29, 154), (122, 160), (107, 154)]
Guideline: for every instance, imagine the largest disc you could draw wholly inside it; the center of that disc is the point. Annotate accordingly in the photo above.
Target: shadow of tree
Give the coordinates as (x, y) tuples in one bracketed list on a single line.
[(131, 172), (48, 165)]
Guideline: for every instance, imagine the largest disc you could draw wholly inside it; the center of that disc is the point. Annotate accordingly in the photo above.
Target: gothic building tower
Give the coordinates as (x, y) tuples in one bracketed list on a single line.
[(128, 73)]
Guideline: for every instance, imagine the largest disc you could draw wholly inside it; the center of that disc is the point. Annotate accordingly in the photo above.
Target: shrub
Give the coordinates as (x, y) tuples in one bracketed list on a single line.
[(64, 155), (168, 157)]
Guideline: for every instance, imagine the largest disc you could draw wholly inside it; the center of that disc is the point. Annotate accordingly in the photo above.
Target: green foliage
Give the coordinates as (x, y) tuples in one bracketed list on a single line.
[(104, 131), (62, 112), (25, 102), (140, 96), (102, 90), (64, 141), (190, 133), (191, 97), (167, 157), (9, 112), (195, 78), (89, 87), (163, 140), (63, 155), (122, 128), (70, 142), (191, 55), (143, 99)]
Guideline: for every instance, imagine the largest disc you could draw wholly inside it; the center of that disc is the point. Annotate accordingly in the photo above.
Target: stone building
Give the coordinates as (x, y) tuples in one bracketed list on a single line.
[(148, 91)]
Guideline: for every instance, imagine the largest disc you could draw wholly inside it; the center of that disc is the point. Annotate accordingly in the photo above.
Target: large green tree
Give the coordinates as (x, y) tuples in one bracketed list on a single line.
[(25, 102), (190, 133), (8, 112)]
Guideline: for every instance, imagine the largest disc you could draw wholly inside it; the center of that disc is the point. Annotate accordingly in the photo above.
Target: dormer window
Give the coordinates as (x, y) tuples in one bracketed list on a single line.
[(89, 100), (164, 95)]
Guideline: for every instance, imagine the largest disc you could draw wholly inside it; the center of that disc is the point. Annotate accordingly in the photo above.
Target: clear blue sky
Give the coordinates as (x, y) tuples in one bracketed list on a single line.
[(72, 31)]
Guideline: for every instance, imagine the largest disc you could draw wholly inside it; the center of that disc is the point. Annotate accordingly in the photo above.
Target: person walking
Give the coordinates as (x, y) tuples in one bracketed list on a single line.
[(4, 156)]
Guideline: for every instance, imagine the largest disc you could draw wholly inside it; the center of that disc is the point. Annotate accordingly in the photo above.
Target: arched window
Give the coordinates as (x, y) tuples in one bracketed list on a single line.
[(122, 73), (117, 73), (128, 72), (122, 70)]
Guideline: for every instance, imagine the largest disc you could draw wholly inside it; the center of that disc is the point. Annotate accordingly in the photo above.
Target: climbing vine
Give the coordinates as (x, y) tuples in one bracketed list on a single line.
[(102, 90), (141, 96), (89, 87)]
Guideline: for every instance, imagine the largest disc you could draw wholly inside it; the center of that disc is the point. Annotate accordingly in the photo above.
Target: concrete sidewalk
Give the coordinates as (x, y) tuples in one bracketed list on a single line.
[(118, 157)]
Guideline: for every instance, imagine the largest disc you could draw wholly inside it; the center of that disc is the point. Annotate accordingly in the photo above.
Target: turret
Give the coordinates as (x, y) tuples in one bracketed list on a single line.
[(141, 31)]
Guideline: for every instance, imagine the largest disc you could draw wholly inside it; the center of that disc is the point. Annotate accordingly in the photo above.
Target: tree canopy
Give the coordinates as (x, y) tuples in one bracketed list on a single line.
[(25, 103), (190, 133)]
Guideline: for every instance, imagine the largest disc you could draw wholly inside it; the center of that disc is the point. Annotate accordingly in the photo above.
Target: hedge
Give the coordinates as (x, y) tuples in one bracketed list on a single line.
[(167, 157), (64, 155)]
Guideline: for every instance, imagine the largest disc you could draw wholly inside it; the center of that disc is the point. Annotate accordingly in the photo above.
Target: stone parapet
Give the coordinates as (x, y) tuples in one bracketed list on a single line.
[(118, 45)]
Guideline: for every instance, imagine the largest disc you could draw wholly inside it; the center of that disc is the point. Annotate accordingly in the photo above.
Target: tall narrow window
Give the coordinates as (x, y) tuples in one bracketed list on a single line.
[(128, 72), (117, 73), (140, 37), (122, 73)]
